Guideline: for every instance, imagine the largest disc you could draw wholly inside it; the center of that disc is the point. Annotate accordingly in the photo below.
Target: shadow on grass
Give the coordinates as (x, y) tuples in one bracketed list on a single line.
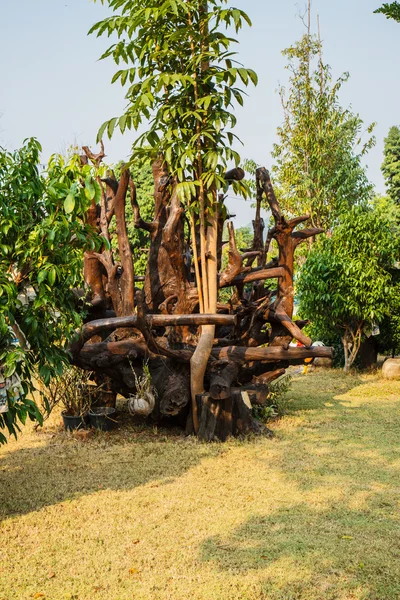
[(309, 554), (335, 534), (66, 468), (346, 425)]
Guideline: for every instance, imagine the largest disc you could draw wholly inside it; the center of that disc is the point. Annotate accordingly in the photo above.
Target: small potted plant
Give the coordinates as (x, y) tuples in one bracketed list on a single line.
[(71, 391), (102, 417), (102, 413)]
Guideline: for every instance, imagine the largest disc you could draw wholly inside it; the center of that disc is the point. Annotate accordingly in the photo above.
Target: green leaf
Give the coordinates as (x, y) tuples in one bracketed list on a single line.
[(52, 276), (90, 190), (111, 126), (244, 76), (101, 131), (69, 204), (122, 123), (253, 76), (42, 276)]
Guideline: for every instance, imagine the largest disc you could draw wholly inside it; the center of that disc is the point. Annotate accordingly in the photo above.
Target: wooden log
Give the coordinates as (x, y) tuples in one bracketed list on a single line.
[(244, 422), (224, 429), (102, 325), (268, 377), (221, 381), (243, 409), (257, 393), (270, 354), (210, 410), (236, 174), (107, 354), (136, 348), (172, 382), (220, 419)]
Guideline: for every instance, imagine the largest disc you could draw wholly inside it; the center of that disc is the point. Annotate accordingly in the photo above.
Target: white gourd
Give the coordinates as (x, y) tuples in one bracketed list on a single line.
[(141, 404)]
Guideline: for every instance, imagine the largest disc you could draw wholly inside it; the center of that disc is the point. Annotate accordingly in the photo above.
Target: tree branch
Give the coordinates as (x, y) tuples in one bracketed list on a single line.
[(138, 221), (264, 181), (235, 262), (303, 234), (95, 158)]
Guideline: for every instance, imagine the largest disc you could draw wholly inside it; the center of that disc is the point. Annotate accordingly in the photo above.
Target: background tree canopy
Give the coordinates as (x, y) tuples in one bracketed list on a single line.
[(318, 169), (347, 284), (391, 164)]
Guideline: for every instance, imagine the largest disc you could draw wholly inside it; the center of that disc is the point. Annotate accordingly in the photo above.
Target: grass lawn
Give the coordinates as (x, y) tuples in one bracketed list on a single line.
[(139, 514)]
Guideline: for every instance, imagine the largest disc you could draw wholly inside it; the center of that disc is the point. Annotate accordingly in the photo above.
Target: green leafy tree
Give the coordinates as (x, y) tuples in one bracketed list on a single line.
[(182, 82), (42, 238), (389, 337), (390, 10), (391, 163), (318, 171), (346, 285), (138, 237)]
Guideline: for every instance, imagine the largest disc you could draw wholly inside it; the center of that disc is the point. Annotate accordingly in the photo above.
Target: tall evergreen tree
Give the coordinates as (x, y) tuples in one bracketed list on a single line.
[(391, 164), (318, 168)]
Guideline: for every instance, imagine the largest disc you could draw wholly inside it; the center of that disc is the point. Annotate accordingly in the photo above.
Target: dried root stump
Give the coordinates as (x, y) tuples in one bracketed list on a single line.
[(249, 333), (231, 416)]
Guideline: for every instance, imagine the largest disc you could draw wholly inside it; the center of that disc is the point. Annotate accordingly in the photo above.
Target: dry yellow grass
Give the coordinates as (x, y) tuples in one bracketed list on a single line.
[(145, 515)]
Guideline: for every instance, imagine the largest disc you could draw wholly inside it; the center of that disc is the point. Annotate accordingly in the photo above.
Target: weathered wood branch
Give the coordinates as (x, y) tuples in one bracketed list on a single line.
[(264, 182), (111, 182), (304, 234), (258, 228), (138, 221), (95, 158), (268, 377), (281, 317), (297, 220), (258, 275), (126, 280), (92, 268), (235, 261)]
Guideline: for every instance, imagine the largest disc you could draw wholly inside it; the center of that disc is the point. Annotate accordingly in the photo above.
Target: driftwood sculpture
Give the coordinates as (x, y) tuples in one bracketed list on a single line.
[(159, 324)]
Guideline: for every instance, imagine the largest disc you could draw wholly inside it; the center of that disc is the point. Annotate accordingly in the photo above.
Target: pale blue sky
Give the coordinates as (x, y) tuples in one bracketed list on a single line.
[(54, 88)]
